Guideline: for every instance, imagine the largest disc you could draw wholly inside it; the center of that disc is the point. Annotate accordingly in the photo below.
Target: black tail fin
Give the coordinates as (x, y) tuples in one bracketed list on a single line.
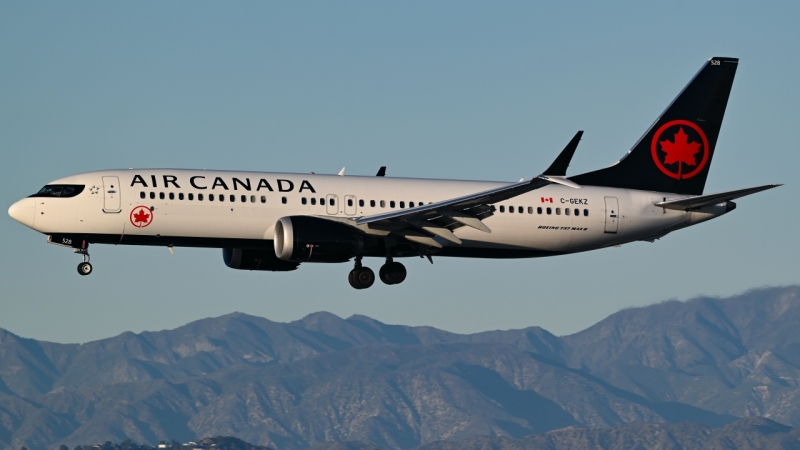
[(674, 155)]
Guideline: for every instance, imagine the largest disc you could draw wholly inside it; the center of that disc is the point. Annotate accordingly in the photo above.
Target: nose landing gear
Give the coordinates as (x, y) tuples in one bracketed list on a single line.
[(361, 277), (84, 268)]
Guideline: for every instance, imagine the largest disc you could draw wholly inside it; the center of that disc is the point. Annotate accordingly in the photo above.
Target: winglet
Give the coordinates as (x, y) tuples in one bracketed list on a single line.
[(381, 172), (559, 166), (341, 172)]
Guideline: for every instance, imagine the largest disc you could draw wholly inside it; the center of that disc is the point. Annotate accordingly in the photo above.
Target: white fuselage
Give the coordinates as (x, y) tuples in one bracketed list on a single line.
[(246, 205)]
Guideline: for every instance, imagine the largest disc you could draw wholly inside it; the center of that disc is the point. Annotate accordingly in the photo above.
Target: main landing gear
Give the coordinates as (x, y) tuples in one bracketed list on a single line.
[(392, 272), (84, 268), (363, 277)]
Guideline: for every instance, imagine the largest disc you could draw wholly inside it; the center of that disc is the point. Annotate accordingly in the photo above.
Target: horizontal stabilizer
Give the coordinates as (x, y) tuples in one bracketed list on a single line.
[(701, 201)]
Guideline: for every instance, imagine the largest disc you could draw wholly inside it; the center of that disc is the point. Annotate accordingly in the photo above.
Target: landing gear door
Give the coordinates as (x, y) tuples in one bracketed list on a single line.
[(612, 215), (333, 204), (111, 195)]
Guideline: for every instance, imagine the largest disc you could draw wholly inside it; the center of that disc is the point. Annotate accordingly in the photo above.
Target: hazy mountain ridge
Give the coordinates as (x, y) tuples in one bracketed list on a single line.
[(744, 434), (326, 378)]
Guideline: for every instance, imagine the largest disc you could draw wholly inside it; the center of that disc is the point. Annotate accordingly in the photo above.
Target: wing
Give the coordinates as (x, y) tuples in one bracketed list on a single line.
[(425, 223), (701, 201)]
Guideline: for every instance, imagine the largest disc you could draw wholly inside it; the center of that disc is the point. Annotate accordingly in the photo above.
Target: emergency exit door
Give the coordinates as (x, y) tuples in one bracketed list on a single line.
[(612, 215), (111, 195), (350, 204), (332, 207)]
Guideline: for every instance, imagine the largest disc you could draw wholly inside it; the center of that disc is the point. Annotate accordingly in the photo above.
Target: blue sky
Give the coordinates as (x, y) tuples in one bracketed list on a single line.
[(460, 90)]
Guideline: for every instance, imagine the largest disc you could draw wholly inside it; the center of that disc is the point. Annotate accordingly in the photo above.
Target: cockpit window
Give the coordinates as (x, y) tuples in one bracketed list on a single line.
[(60, 190)]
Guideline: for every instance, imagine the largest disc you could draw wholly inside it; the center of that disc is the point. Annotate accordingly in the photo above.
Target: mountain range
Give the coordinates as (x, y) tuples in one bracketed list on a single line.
[(323, 378)]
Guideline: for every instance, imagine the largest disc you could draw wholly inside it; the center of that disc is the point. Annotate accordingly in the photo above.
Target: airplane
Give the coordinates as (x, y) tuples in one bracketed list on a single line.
[(277, 221)]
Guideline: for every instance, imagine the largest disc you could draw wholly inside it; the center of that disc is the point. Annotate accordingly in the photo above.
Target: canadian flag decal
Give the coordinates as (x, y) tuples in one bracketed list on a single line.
[(547, 200)]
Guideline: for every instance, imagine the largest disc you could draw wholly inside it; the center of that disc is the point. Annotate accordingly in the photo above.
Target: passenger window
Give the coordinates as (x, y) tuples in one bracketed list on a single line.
[(558, 211), (141, 194), (549, 211), (391, 204), (566, 211), (577, 212), (211, 197), (410, 204), (263, 199), (502, 208), (402, 204), (361, 203), (383, 203), (530, 209), (252, 199), (161, 195), (520, 209), (172, 196), (313, 201), (349, 202), (372, 203), (152, 195), (221, 198), (303, 201), (180, 196), (322, 201), (199, 197), (283, 200), (243, 199), (586, 213), (333, 202), (191, 196), (233, 198), (539, 210)]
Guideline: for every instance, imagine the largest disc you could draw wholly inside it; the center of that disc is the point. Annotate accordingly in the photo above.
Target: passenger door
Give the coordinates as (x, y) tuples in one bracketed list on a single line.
[(612, 215), (111, 195)]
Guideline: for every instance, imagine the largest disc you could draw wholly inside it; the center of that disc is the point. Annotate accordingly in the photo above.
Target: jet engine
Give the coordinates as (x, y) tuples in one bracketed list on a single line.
[(255, 259), (304, 238)]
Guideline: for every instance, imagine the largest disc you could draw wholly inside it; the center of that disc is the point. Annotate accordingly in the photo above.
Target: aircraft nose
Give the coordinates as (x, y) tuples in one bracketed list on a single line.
[(24, 211)]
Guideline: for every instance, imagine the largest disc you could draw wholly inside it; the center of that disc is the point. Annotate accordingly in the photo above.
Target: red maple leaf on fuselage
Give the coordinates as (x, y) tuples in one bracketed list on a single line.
[(680, 150), (141, 216)]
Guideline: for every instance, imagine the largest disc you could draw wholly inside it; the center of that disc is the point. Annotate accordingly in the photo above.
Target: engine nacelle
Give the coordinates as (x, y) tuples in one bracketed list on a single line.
[(255, 259), (305, 238)]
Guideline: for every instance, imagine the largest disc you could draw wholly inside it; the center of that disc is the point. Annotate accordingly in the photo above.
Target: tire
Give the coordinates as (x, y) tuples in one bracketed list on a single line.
[(365, 277), (361, 278), (84, 268), (393, 273), (351, 278)]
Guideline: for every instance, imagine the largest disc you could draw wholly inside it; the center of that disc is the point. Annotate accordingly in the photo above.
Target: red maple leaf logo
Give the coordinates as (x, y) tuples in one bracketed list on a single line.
[(141, 216), (680, 150)]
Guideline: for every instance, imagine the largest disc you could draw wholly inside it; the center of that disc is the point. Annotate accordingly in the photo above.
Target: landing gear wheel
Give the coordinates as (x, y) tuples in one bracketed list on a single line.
[(84, 268), (361, 278), (393, 273)]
